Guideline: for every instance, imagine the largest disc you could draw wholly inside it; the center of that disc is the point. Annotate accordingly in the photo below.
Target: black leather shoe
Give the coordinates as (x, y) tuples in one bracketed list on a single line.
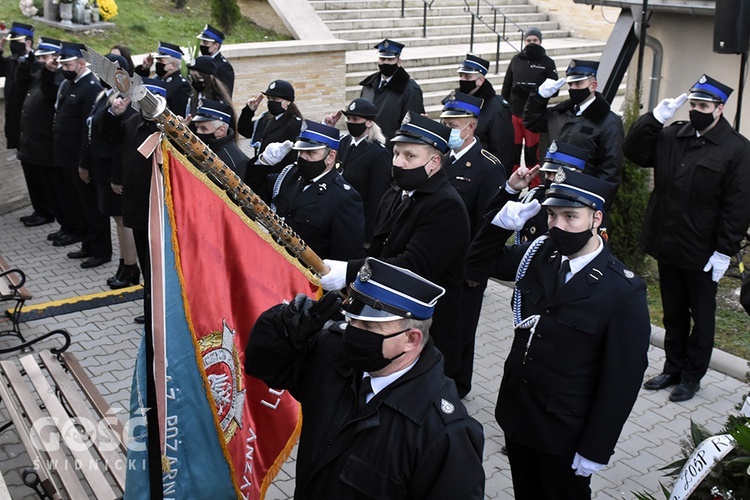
[(139, 319), (660, 382), (78, 254), (55, 236), (129, 276), (66, 239), (94, 262), (27, 217), (37, 220), (685, 390)]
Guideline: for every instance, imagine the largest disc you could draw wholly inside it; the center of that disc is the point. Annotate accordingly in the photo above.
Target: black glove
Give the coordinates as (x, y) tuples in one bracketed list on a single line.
[(303, 317)]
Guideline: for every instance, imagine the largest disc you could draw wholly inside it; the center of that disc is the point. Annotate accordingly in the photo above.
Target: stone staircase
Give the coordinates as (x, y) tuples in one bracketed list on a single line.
[(432, 61)]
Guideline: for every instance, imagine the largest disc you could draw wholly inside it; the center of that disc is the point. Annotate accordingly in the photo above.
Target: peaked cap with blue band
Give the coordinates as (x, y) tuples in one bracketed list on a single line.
[(474, 64), (579, 69), (212, 110), (158, 87), (20, 31), (388, 49), (168, 50), (418, 129), (384, 292), (317, 136), (576, 189), (211, 34), (460, 105), (71, 51), (708, 89), (48, 46), (562, 154)]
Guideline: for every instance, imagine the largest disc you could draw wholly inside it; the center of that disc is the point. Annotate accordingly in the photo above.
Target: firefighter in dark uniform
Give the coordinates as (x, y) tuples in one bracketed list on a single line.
[(21, 38), (211, 41), (695, 220), (75, 98), (477, 176), (584, 120), (495, 127), (391, 89), (381, 418), (168, 69), (363, 159), (422, 225), (313, 198), (213, 126), (580, 348), (39, 77), (276, 128)]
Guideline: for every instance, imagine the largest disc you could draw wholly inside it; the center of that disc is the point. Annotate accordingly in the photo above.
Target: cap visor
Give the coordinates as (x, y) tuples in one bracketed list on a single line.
[(467, 71), (161, 56), (361, 311), (42, 52), (301, 145), (576, 78), (456, 113), (563, 202), (387, 55), (205, 38), (702, 96), (202, 118), (67, 59)]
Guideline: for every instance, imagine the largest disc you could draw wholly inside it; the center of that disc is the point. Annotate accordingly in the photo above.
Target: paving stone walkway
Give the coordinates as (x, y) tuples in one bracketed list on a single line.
[(106, 339)]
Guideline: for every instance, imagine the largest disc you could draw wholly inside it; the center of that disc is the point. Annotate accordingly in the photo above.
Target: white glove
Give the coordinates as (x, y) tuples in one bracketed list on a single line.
[(336, 277), (275, 152), (515, 214), (550, 87), (666, 109), (585, 467), (718, 264)]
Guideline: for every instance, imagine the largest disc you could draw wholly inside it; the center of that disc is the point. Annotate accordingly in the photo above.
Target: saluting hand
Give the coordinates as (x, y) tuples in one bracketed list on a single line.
[(52, 65), (522, 177), (148, 61), (332, 119), (254, 102)]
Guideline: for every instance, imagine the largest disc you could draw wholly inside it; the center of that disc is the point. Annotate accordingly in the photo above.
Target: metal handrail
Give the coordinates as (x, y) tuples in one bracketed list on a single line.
[(500, 35), (426, 5)]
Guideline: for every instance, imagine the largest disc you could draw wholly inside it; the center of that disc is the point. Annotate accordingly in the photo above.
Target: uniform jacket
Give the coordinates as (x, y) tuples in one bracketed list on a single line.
[(178, 89), (328, 215), (573, 386), (266, 129), (526, 71), (136, 169), (393, 100), (35, 144), (701, 197), (495, 125), (368, 169), (490, 239), (429, 235), (74, 103), (414, 440), (224, 71), (13, 99), (477, 176), (230, 153), (598, 130)]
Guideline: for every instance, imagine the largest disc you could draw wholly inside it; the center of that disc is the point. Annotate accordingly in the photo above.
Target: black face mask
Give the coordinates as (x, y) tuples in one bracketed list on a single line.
[(309, 170), (275, 108), (579, 95), (356, 129), (207, 139), (701, 121), (160, 70), (409, 179), (547, 183), (533, 51), (388, 70), (466, 86), (204, 50), (364, 349), (17, 48), (198, 85), (568, 243), (69, 75)]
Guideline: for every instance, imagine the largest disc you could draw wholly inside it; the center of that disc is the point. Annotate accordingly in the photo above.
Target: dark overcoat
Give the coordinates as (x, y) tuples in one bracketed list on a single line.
[(393, 100)]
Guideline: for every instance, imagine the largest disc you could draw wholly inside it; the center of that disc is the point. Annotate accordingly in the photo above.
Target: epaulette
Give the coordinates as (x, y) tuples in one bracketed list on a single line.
[(338, 179), (623, 271), (490, 156)]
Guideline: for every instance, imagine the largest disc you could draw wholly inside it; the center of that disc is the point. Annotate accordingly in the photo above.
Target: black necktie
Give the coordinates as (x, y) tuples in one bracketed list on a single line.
[(365, 388), (576, 109), (564, 270)]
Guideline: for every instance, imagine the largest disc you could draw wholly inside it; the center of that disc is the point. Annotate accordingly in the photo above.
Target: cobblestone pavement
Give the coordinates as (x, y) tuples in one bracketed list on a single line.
[(106, 339)]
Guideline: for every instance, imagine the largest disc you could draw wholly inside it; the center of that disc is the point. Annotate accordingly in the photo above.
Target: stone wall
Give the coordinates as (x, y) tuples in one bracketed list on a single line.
[(13, 193), (582, 21)]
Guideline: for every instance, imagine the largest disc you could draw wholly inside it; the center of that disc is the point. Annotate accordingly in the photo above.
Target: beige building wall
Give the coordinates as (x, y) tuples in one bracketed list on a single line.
[(687, 42), (581, 20)]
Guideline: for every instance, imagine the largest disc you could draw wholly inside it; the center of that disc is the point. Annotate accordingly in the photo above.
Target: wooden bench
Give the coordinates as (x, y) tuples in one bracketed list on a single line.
[(76, 445), (12, 289)]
